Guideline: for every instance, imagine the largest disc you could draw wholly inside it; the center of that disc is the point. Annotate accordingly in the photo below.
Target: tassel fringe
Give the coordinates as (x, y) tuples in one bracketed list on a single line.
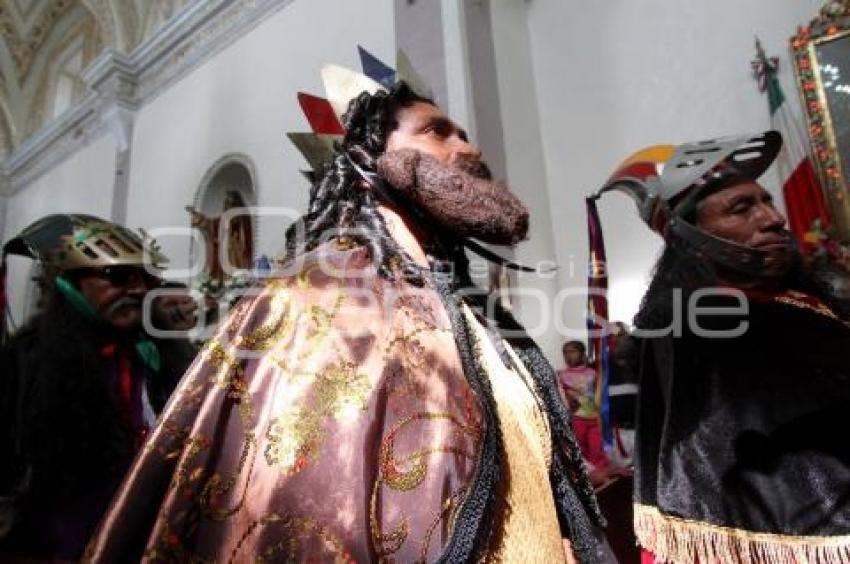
[(676, 540)]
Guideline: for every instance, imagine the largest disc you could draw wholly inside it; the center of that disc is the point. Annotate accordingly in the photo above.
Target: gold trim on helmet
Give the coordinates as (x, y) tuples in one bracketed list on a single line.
[(100, 243)]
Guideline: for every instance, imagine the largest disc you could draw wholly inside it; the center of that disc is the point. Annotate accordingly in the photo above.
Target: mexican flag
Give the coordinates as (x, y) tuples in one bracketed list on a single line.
[(801, 189)]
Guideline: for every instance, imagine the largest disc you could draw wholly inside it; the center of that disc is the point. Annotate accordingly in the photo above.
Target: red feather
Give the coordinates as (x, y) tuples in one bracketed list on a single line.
[(320, 114)]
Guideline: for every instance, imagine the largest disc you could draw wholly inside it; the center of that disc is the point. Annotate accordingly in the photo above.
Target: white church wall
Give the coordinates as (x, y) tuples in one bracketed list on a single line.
[(614, 77), (81, 184), (243, 101), (535, 293)]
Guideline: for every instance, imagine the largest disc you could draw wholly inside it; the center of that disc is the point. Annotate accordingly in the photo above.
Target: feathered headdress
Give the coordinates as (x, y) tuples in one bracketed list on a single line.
[(342, 85)]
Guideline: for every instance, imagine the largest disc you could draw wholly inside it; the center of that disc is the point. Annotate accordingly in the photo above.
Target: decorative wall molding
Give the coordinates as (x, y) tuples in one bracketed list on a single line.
[(119, 85), (52, 144)]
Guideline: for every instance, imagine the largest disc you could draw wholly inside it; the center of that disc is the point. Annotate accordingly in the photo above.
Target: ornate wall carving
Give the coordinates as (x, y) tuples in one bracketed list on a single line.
[(25, 29), (150, 45)]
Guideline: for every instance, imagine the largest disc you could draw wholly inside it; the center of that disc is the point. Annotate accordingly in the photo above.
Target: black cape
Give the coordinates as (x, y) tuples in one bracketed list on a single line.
[(741, 453)]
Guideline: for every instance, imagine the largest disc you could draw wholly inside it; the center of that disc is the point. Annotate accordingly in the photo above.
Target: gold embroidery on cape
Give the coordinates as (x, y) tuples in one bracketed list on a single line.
[(191, 448), (449, 509), (674, 539), (410, 339), (279, 321), (386, 544), (287, 550), (393, 477), (219, 368), (231, 378), (344, 243), (397, 479), (295, 437), (303, 277), (225, 371), (410, 375), (799, 299), (169, 548), (216, 487), (321, 322)]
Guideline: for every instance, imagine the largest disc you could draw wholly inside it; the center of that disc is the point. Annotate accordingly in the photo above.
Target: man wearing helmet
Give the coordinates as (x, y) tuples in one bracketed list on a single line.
[(81, 383), (743, 369)]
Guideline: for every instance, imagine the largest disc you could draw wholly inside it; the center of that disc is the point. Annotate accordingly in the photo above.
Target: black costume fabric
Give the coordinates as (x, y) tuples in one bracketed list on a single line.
[(623, 385), (740, 455), (66, 442)]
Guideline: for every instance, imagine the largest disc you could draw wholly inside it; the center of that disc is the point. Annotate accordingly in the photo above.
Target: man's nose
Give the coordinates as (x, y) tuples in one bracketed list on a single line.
[(770, 219), (467, 150), (136, 284)]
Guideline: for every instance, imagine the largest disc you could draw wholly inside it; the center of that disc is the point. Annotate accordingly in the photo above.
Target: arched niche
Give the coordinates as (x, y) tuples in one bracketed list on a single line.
[(229, 183)]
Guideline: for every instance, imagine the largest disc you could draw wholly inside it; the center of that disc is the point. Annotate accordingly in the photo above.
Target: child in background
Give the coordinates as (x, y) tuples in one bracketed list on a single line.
[(578, 381)]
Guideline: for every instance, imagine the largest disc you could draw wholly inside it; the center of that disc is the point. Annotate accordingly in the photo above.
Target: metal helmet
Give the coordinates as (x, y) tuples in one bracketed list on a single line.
[(69, 241), (665, 181)]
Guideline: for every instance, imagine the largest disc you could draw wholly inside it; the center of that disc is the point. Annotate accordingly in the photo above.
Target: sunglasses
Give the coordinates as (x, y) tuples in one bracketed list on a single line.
[(119, 275)]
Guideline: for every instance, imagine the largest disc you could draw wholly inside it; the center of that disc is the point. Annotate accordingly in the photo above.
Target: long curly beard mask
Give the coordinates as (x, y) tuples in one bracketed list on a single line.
[(461, 199)]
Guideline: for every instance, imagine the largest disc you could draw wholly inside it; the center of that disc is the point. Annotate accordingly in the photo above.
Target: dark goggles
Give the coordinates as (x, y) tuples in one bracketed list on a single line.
[(118, 275)]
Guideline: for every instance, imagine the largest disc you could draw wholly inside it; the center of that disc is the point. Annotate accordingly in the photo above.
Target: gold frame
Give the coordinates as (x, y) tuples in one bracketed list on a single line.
[(832, 23)]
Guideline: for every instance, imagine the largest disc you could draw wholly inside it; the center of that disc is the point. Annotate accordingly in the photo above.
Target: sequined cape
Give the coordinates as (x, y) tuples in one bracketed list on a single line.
[(330, 417)]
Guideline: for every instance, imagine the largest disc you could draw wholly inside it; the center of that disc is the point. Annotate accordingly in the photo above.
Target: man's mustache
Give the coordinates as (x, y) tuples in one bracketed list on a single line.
[(122, 302), (475, 167)]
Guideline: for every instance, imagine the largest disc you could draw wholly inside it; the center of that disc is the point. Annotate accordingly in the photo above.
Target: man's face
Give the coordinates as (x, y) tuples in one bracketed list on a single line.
[(744, 213), (116, 294), (429, 158), (424, 127)]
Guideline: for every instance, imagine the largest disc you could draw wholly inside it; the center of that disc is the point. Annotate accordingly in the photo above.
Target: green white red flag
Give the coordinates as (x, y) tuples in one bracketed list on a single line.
[(801, 190)]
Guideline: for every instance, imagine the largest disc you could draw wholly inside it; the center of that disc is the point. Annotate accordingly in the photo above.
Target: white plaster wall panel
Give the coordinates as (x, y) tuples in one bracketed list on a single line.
[(526, 172), (613, 77), (243, 101), (81, 184)]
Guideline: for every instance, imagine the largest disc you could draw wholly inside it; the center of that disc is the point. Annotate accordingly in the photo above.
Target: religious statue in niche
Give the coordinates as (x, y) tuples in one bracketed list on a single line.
[(236, 236), (233, 241)]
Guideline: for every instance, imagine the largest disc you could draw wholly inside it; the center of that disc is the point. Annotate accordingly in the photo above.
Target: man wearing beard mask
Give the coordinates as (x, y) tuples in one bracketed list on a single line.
[(81, 384), (365, 406), (741, 355)]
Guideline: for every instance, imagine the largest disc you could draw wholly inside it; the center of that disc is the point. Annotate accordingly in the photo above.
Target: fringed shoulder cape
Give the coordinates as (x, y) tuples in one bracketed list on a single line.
[(741, 454)]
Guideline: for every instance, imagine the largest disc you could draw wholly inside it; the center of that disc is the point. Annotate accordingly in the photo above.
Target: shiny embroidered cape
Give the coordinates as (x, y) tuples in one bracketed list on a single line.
[(330, 417), (740, 456)]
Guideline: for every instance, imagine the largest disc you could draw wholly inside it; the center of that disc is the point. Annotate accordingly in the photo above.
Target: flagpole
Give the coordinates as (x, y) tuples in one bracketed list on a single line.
[(597, 318), (805, 204)]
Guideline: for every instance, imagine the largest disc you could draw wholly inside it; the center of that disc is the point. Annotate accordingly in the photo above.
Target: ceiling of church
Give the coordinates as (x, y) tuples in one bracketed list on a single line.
[(45, 44)]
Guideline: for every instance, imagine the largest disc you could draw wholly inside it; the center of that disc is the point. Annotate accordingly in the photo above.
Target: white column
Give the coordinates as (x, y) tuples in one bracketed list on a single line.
[(113, 77), (526, 168), (459, 102)]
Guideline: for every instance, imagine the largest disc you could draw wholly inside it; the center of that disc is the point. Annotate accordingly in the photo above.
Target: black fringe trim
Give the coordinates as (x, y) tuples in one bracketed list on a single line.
[(470, 539)]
